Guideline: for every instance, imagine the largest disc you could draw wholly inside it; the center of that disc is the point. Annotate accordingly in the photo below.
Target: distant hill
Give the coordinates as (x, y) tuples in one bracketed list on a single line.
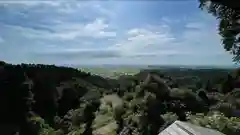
[(158, 66), (67, 99)]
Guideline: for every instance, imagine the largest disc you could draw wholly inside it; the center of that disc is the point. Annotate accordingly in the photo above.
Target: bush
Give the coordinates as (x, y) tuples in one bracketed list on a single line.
[(42, 127), (128, 96), (135, 104), (216, 120), (170, 117), (215, 97), (226, 108), (104, 109), (182, 93)]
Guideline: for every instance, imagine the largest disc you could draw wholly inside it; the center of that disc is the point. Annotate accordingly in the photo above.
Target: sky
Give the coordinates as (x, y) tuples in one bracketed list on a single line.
[(161, 32)]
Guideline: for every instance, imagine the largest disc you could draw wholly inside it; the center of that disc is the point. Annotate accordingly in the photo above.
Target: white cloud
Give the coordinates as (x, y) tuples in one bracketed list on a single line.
[(169, 20), (145, 41), (138, 42), (68, 31), (95, 29), (98, 24), (24, 31), (152, 41), (104, 10), (1, 40), (202, 38), (29, 3), (195, 25), (68, 8), (81, 53)]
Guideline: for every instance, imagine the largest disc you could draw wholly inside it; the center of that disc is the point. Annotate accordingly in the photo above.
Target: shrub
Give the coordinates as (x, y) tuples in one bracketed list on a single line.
[(182, 93), (225, 108), (43, 128), (216, 120), (128, 96)]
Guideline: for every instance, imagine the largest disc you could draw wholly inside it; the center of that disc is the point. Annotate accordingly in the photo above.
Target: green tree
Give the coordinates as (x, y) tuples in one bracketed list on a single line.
[(228, 15), (150, 120), (118, 116), (89, 115)]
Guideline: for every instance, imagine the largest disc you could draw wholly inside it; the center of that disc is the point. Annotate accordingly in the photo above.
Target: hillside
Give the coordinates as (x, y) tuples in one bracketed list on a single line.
[(51, 100)]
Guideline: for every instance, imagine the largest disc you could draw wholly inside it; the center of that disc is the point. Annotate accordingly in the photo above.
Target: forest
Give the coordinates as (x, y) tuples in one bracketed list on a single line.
[(41, 99)]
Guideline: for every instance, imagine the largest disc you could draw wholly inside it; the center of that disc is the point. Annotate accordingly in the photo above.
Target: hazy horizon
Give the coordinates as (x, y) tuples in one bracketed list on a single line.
[(135, 65), (153, 66)]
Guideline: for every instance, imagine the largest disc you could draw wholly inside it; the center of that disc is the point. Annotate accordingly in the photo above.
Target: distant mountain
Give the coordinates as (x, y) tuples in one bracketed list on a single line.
[(110, 66), (159, 66), (193, 66)]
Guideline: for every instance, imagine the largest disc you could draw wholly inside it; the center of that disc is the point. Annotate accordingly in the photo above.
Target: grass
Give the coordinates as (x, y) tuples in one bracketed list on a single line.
[(108, 129), (102, 120)]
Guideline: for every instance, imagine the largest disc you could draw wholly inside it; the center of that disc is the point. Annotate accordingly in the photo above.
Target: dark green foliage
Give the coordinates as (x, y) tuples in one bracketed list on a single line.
[(228, 15), (203, 96), (150, 119), (139, 91), (154, 118), (215, 97), (177, 100), (118, 116), (227, 85), (89, 110), (39, 88), (224, 107), (120, 92), (178, 108), (16, 98), (60, 100), (68, 100)]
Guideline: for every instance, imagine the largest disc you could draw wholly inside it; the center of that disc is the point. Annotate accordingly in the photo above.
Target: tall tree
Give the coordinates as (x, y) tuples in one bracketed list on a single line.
[(228, 14)]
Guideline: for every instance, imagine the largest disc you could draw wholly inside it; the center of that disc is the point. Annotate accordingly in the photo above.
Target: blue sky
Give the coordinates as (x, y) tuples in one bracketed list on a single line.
[(109, 32)]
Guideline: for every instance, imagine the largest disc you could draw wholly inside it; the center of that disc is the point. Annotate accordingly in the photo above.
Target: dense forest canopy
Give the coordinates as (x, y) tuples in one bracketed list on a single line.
[(38, 99), (52, 100)]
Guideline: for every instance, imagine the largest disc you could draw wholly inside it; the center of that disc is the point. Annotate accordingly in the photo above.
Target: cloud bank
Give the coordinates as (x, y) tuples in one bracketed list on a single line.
[(73, 32)]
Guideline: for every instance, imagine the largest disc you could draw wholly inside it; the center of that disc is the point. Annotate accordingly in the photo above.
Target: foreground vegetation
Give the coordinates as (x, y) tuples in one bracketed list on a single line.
[(50, 100)]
